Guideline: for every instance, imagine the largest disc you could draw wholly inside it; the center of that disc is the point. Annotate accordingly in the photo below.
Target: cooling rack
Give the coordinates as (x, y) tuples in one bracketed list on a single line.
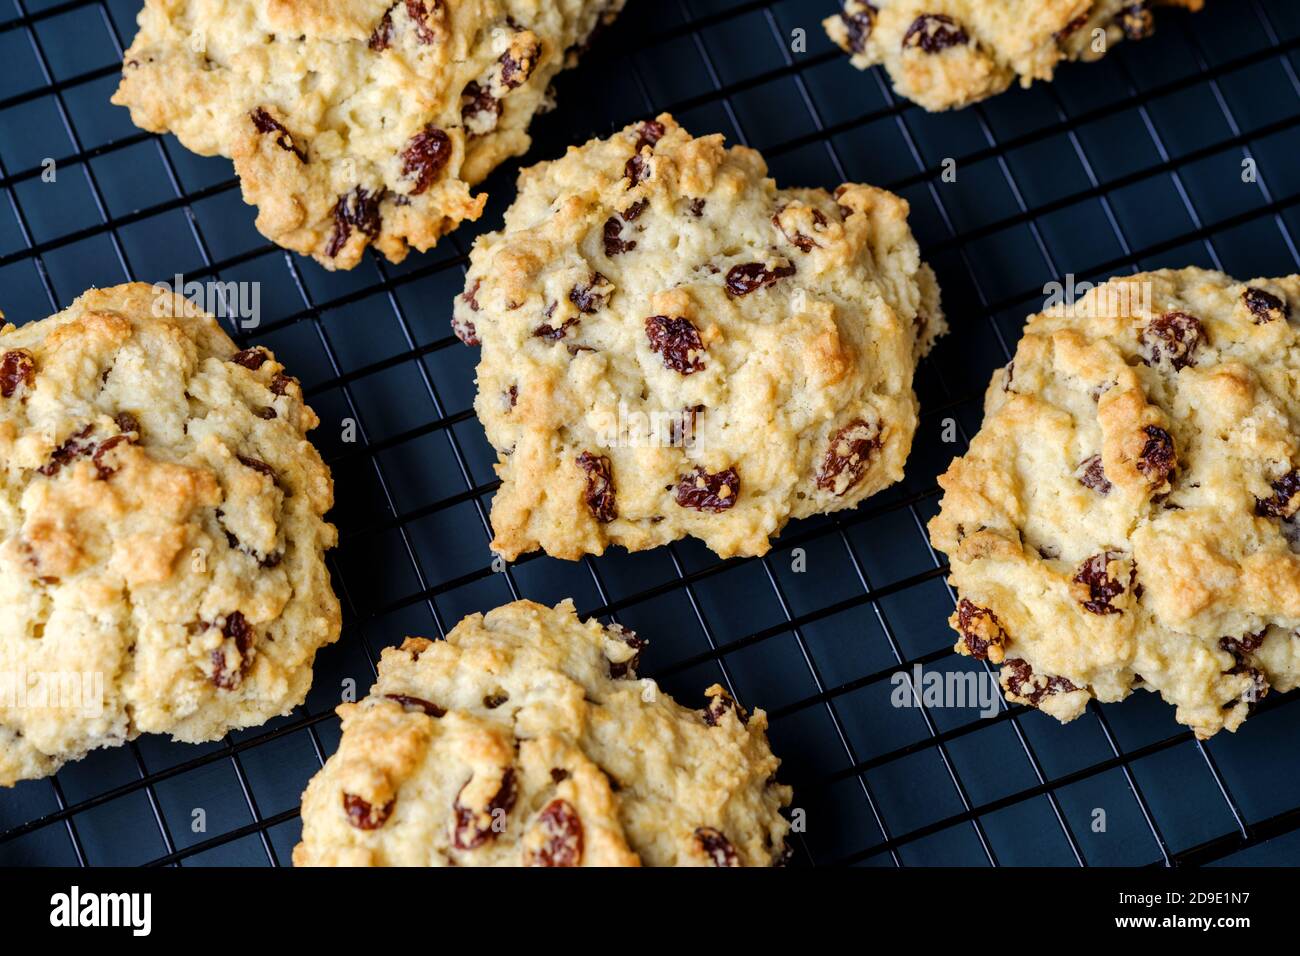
[(1132, 163)]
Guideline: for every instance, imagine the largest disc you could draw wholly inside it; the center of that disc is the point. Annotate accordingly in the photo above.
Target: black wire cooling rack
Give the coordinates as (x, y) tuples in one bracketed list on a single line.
[(1134, 162)]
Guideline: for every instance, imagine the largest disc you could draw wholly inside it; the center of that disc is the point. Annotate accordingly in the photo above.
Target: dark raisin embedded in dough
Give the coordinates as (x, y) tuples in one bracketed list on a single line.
[(259, 466), (859, 20), (127, 424), (419, 11), (637, 170), (474, 827), (479, 109), (746, 278), (363, 816), (76, 446), (933, 33), (633, 212), (1020, 679), (697, 207), (716, 847), (1094, 587), (556, 836), (280, 384), (358, 208), (588, 298), (425, 156), (982, 633), (253, 358), (17, 370), (1136, 21), (418, 704), (803, 242), (1286, 498), (615, 244), (678, 341), (264, 412), (559, 774), (600, 486), (709, 492), (719, 704), (264, 122), (620, 670), (648, 134), (238, 634), (103, 470), (1158, 459), (1265, 306), (1174, 336), (847, 456), (1241, 646), (382, 36), (1093, 475), (517, 65), (552, 333)]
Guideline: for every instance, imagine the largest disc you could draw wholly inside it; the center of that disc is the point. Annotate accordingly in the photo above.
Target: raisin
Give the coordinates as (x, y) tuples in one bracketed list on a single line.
[(265, 412), (1157, 459), (280, 383), (1175, 336), (981, 631), (556, 836), (1136, 21), (1096, 588), (1022, 682), (637, 170), (266, 123), (358, 208), (425, 157), (518, 65), (102, 470), (933, 33), (626, 669), (859, 20), (648, 134), (1240, 646), (464, 330), (73, 448), (559, 774), (479, 109), (259, 466), (469, 296), (847, 456), (553, 333), (708, 492), (239, 633), (1093, 475), (678, 341), (363, 816), (633, 212), (419, 11), (17, 369), (600, 486), (512, 397), (1265, 306), (588, 298), (473, 828), (615, 244), (719, 704), (382, 36), (127, 424), (716, 847), (1286, 498), (744, 279), (414, 704), (697, 207), (252, 358), (802, 242)]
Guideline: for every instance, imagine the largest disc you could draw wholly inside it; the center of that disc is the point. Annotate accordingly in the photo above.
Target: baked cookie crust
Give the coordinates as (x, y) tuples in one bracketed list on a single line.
[(1126, 515), (354, 122), (161, 538), (946, 54), (672, 346), (525, 738)]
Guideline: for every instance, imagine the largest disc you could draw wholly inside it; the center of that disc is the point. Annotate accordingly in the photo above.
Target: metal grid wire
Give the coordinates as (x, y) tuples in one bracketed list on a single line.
[(1131, 163)]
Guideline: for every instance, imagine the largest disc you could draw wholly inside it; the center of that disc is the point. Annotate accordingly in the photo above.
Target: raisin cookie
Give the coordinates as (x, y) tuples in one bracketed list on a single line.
[(1126, 516), (354, 122), (672, 346), (526, 738), (161, 541), (950, 53)]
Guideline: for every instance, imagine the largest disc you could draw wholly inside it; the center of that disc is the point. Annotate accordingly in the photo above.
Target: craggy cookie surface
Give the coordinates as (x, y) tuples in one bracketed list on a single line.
[(672, 346), (950, 53), (354, 122), (526, 738), (161, 538), (1126, 515)]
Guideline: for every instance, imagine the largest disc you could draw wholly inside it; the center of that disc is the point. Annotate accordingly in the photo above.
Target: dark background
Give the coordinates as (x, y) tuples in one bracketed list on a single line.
[(1134, 162)]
